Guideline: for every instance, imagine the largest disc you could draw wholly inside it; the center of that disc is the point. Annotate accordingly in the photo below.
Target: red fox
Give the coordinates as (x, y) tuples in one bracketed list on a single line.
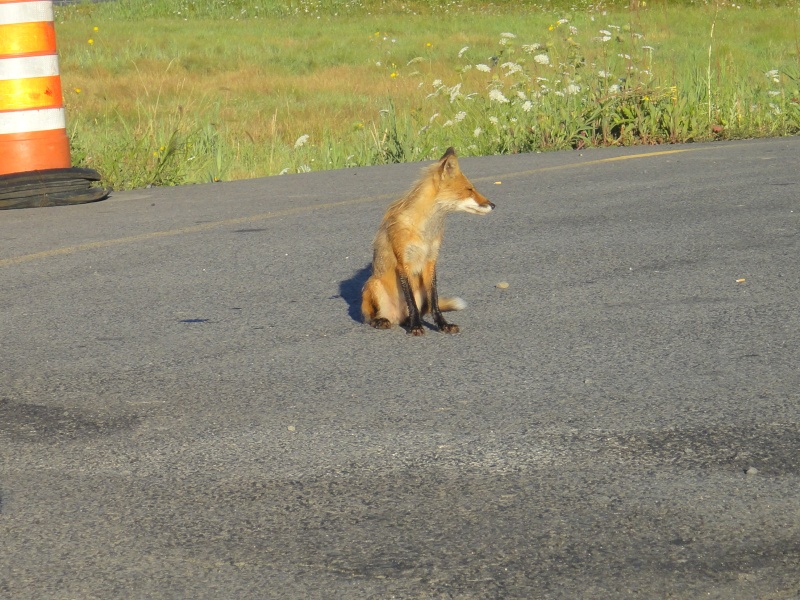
[(403, 282)]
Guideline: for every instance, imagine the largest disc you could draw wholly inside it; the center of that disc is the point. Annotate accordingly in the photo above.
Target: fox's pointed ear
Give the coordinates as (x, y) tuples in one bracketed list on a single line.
[(449, 152), (448, 164)]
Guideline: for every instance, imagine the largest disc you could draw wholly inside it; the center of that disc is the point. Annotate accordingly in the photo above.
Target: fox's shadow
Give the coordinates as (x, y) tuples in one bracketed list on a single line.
[(350, 290)]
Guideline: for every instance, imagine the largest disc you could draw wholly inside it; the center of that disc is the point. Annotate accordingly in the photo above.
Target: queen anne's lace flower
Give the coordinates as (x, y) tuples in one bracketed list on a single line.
[(497, 96), (455, 92)]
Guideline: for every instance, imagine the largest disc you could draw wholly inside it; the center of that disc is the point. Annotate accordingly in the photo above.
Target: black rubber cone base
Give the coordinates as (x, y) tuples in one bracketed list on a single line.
[(51, 187)]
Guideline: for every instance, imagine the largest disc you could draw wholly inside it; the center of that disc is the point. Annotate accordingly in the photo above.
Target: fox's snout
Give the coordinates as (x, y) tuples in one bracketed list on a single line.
[(476, 204)]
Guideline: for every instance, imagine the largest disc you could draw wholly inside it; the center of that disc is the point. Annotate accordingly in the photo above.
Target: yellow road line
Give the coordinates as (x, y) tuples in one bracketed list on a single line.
[(590, 163), (16, 260)]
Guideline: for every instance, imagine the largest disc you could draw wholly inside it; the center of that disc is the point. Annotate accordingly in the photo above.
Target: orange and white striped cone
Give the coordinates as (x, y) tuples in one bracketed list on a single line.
[(34, 148)]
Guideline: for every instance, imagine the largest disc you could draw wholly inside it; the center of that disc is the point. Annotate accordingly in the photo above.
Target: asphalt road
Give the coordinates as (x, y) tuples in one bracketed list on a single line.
[(189, 407)]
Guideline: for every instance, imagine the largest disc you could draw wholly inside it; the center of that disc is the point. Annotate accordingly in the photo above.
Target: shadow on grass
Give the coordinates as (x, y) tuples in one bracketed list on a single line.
[(350, 290)]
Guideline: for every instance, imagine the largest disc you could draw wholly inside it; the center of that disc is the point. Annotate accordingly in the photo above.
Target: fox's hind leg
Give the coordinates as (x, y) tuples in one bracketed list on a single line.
[(376, 307)]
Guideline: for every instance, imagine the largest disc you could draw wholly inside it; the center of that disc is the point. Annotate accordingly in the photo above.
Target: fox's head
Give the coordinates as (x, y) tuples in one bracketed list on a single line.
[(455, 191)]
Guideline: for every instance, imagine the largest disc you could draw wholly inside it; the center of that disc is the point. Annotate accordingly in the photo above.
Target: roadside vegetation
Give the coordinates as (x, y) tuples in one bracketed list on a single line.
[(167, 92)]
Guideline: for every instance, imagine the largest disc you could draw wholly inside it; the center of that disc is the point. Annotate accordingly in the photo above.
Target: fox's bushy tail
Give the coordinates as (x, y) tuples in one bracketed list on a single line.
[(447, 304)]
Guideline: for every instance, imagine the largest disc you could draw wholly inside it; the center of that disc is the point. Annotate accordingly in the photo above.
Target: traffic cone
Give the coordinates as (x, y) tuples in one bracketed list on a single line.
[(34, 148)]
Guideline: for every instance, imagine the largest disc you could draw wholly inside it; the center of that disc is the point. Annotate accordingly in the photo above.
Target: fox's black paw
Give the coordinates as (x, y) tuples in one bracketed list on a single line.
[(418, 330), (381, 323), (449, 328)]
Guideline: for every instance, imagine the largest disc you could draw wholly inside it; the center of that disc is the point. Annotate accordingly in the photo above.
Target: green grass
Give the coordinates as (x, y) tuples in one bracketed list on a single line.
[(172, 92)]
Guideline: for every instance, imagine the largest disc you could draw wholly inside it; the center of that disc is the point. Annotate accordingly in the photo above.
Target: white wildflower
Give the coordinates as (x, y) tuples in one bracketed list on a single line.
[(527, 106), (497, 96), (462, 51), (774, 93), (573, 30), (494, 120), (304, 169), (478, 131), (437, 83), (573, 88), (614, 89), (433, 117), (284, 171), (505, 38), (562, 21), (625, 56), (455, 92), (512, 67), (531, 48), (542, 59), (460, 116), (301, 141), (483, 68), (521, 95), (447, 123), (774, 74), (604, 74)]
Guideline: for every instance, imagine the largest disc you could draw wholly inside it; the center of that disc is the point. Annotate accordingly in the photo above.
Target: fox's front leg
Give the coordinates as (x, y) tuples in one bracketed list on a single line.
[(414, 318), (438, 318)]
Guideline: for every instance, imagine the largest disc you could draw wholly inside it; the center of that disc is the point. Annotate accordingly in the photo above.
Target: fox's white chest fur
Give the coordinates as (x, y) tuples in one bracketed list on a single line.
[(424, 247)]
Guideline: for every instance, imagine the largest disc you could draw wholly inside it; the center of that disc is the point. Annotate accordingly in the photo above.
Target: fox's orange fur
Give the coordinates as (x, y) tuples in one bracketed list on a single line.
[(403, 282)]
